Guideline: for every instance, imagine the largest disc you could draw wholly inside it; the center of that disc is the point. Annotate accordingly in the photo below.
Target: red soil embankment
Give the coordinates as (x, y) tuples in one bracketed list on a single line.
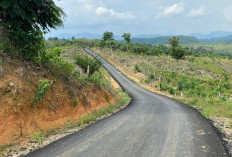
[(19, 118)]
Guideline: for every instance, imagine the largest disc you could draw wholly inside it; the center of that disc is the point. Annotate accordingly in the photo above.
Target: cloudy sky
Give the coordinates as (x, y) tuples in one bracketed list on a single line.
[(146, 16)]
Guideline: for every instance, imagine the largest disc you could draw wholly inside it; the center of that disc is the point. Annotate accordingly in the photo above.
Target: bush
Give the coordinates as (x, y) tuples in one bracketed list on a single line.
[(137, 68), (39, 137), (178, 52), (42, 89), (75, 103), (52, 60), (87, 63)]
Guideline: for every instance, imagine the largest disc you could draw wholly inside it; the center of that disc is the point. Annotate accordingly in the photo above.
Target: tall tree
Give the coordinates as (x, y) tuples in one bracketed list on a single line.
[(176, 50), (108, 37), (24, 23), (127, 38)]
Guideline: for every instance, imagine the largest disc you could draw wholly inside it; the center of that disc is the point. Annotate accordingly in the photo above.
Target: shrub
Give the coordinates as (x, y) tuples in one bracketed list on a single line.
[(137, 68), (75, 103), (86, 62), (39, 137), (178, 53), (42, 89), (55, 63)]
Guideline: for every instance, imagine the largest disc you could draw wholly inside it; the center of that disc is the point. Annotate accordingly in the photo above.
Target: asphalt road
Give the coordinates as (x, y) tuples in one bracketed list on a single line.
[(151, 126)]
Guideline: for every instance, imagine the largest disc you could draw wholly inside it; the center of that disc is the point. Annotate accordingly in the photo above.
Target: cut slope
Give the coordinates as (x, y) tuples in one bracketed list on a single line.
[(19, 118)]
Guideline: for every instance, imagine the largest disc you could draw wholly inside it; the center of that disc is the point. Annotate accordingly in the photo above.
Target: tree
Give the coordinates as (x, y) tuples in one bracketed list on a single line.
[(24, 22), (127, 37), (108, 37), (176, 50)]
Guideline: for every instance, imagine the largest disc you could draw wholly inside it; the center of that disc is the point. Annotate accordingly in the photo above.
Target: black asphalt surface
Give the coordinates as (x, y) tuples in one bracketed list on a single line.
[(151, 126)]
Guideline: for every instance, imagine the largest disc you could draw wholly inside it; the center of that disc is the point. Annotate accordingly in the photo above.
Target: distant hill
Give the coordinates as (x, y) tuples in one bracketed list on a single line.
[(146, 36), (79, 35), (164, 40), (217, 34), (156, 39), (84, 35), (222, 40)]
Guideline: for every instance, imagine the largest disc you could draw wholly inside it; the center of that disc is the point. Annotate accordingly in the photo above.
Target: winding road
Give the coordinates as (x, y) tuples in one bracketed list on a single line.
[(151, 126)]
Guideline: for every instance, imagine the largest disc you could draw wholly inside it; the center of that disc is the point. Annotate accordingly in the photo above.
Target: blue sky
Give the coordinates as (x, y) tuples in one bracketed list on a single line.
[(145, 16)]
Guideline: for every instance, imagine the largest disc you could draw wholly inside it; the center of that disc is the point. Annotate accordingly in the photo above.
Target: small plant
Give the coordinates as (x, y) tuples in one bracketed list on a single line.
[(1, 61), (39, 137), (89, 65), (75, 103), (137, 68), (42, 89), (151, 76)]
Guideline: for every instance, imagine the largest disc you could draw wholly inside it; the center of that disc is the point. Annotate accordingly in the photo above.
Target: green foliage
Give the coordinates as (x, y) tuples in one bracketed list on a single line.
[(127, 37), (177, 51), (151, 76), (42, 89), (174, 41), (39, 137), (108, 36), (137, 68), (75, 102), (87, 63), (57, 65), (24, 23)]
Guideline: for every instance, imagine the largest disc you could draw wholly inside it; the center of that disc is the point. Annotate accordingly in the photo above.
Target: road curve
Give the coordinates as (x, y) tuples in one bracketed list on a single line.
[(151, 126)]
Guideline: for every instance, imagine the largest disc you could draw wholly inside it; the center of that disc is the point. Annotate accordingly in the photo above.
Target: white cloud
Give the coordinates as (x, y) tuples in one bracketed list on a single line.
[(170, 10), (197, 12), (95, 10), (102, 11)]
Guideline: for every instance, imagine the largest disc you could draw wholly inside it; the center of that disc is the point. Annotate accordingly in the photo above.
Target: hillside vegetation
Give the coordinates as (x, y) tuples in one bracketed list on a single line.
[(46, 90), (203, 81)]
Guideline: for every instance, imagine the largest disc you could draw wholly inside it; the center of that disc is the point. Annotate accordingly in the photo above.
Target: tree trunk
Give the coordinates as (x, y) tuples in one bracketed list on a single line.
[(88, 71)]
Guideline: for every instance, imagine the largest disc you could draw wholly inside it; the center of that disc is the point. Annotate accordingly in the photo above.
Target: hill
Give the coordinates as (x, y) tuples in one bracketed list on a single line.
[(219, 40), (217, 34), (164, 40)]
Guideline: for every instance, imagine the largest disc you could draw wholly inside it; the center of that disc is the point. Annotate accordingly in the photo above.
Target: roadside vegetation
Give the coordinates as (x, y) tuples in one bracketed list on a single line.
[(201, 78), (43, 84)]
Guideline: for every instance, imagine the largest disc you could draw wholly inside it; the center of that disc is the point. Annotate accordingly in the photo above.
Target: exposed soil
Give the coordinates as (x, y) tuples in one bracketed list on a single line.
[(19, 118)]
